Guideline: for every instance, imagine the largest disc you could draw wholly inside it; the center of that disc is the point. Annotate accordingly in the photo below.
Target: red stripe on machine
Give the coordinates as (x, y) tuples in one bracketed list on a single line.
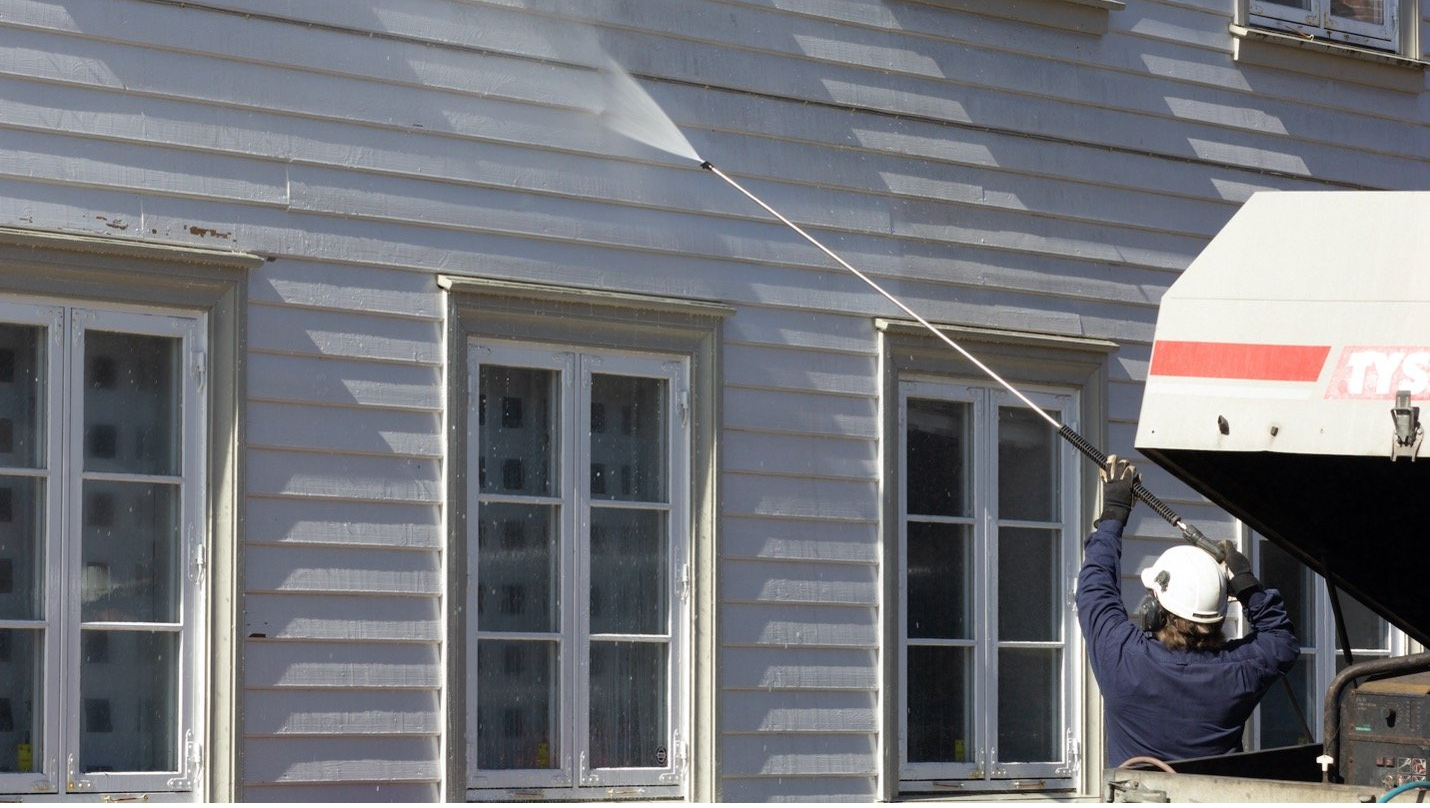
[(1239, 360)]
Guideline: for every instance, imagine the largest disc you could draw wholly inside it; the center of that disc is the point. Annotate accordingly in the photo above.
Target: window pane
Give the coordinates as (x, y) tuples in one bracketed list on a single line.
[(940, 723), (628, 438), (22, 526), (518, 568), (1030, 602), (132, 403), (1030, 705), (22, 396), (517, 408), (1305, 5), (129, 685), (1366, 11), (629, 706), (940, 580), (1297, 585), (20, 704), (938, 475), (517, 705), (630, 571), (1027, 466), (1367, 630), (1283, 722), (131, 553)]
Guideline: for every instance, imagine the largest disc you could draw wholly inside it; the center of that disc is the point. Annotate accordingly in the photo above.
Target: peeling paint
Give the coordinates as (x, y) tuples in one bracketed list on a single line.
[(203, 232)]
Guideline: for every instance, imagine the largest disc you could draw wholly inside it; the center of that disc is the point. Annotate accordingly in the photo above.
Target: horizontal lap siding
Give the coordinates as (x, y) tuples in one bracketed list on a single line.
[(988, 171), (345, 483)]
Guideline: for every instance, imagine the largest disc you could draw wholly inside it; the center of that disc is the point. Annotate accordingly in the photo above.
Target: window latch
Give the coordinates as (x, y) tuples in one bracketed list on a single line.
[(199, 368), (198, 556)]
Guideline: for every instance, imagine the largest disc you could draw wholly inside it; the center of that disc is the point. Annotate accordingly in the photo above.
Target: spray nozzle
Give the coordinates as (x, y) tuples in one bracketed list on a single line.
[(708, 166)]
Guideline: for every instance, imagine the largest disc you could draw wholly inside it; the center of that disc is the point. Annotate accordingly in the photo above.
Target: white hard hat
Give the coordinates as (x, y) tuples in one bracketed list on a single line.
[(1188, 583)]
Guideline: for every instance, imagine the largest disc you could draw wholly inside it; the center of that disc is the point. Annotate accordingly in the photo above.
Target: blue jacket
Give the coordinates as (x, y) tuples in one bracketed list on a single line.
[(1173, 705)]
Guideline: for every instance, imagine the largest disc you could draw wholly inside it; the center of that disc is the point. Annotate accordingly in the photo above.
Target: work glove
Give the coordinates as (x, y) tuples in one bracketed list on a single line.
[(1117, 479), (1240, 580)]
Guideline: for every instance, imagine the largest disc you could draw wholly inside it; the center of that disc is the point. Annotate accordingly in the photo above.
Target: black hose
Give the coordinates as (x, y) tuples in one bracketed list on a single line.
[(1162, 509)]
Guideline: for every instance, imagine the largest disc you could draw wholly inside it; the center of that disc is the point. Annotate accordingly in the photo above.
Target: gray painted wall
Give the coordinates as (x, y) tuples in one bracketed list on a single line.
[(1048, 170)]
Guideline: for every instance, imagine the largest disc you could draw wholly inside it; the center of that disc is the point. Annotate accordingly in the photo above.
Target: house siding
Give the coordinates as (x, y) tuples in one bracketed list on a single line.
[(1015, 172)]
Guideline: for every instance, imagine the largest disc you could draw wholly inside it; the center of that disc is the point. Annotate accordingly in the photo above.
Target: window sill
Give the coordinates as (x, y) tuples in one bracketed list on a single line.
[(1332, 60), (1081, 16)]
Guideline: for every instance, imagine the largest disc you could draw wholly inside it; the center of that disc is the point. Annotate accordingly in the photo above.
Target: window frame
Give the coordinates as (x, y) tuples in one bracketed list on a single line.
[(191, 671), (985, 772), (575, 637), (594, 320), (81, 270), (1319, 22), (1076, 366)]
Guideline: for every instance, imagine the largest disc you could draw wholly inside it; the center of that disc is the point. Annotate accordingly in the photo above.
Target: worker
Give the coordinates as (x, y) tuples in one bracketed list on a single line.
[(1175, 687)]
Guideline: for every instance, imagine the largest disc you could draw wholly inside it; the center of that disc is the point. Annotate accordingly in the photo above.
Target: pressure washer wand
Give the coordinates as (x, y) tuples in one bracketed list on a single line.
[(1082, 444)]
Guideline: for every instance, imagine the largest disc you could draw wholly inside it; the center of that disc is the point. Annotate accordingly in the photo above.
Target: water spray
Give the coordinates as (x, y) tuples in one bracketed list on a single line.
[(1082, 444)]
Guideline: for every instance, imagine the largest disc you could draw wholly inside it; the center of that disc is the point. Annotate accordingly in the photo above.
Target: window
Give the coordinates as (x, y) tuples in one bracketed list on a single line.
[(983, 491), (578, 568), (988, 549), (102, 531), (1289, 715), (587, 540), (1368, 23)]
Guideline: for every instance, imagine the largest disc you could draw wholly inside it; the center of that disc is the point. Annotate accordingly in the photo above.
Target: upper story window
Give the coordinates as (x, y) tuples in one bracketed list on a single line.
[(989, 674), (1367, 23)]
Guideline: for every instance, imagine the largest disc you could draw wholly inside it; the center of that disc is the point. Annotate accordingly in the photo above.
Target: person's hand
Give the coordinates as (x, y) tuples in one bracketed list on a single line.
[(1117, 499), (1240, 579)]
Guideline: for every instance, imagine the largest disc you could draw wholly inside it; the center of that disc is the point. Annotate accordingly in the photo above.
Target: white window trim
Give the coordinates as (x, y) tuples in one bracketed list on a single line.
[(146, 275), (1396, 42), (489, 308), (1321, 23), (64, 477), (985, 773), (573, 777)]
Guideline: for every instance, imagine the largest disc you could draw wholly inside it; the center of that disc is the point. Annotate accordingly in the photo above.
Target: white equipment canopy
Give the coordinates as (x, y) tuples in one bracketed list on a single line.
[(1289, 364)]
